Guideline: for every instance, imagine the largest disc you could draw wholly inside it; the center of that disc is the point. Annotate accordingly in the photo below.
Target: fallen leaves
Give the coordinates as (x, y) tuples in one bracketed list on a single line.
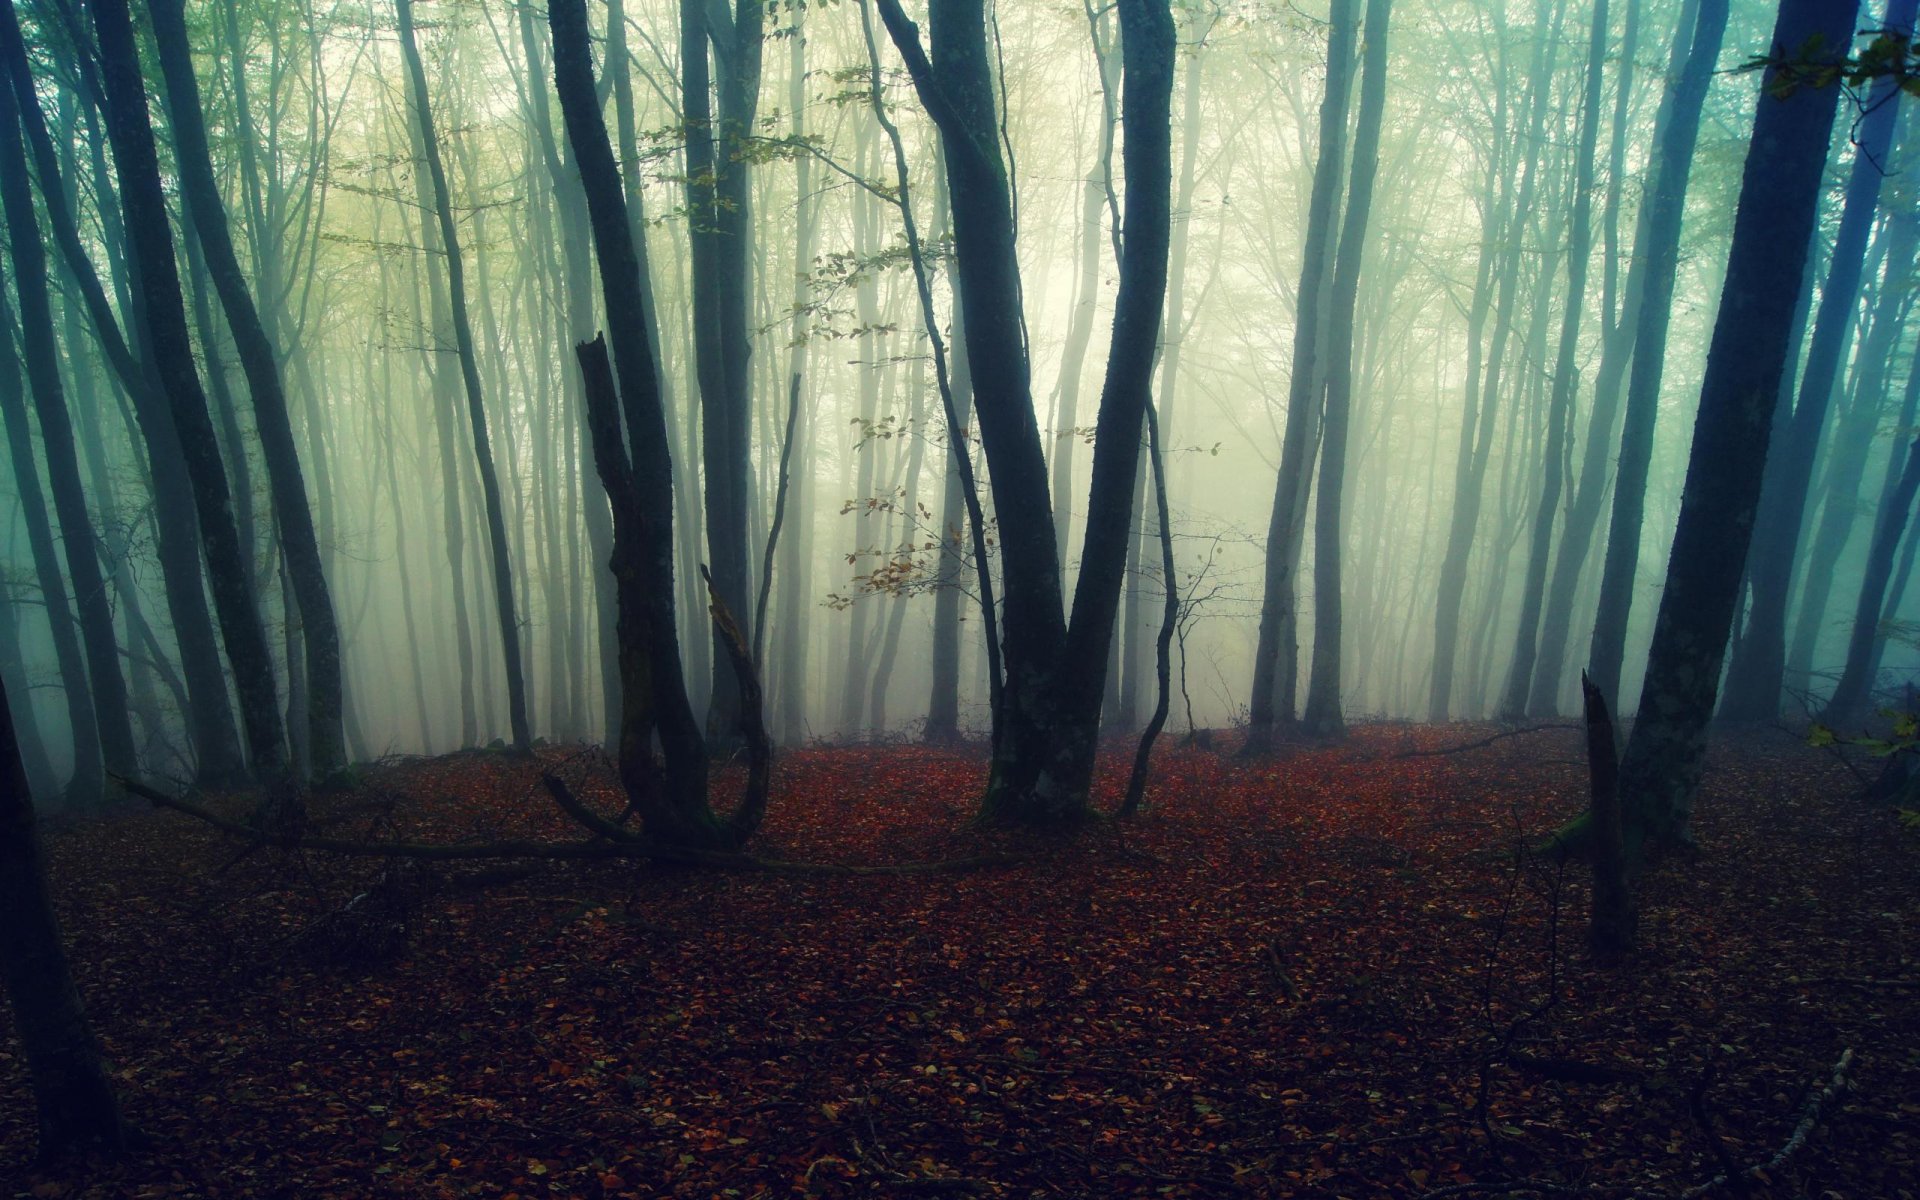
[(1291, 977)]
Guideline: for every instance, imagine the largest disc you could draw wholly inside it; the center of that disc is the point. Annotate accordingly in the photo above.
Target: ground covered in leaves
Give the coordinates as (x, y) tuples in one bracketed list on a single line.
[(1331, 974)]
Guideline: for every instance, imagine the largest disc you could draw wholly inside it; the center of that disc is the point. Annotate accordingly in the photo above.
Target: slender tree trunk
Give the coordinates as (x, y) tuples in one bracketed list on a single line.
[(1276, 656), (1616, 351), (1323, 716), (87, 782), (1470, 477), (1852, 440), (1757, 672), (470, 376), (1779, 200), (107, 687), (1666, 204), (1043, 757), (151, 243), (1513, 704), (719, 214), (319, 631), (1854, 691), (638, 477)]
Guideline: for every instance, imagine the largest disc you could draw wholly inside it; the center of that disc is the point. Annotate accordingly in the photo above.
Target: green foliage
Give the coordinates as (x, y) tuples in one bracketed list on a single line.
[(1902, 738), (1889, 56)]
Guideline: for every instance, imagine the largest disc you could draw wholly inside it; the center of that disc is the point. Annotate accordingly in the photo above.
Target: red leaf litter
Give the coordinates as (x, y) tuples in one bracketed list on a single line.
[(1340, 972)]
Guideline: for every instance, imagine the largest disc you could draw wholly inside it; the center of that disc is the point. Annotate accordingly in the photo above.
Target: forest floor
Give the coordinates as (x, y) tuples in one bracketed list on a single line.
[(1333, 974)]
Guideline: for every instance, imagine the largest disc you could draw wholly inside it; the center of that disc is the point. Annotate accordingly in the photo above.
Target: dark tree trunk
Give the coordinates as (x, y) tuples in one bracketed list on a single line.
[(470, 376), (177, 540), (112, 717), (86, 784), (77, 1107), (1565, 385), (1323, 717), (1610, 924), (1513, 213), (319, 630), (1276, 655), (1779, 199), (638, 477), (150, 242), (721, 234), (1055, 672), (1755, 676), (1666, 204), (1852, 695)]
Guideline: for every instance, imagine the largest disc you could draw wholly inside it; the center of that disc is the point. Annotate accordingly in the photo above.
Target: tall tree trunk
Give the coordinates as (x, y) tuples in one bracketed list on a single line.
[(1276, 656), (1666, 206), (107, 686), (470, 377), (1854, 691), (1779, 200), (1755, 676), (319, 630), (1850, 445), (638, 477), (177, 539), (1513, 704), (78, 1110), (1323, 717), (721, 232), (85, 785), (1471, 469), (150, 242), (1616, 351), (1055, 670)]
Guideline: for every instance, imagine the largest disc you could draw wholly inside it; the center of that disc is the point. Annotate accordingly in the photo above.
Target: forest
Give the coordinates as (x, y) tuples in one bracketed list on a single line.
[(1005, 598)]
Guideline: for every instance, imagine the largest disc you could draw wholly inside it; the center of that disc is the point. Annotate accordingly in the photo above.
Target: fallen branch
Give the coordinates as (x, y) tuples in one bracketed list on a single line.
[(592, 849), (1803, 1129), (1485, 741)]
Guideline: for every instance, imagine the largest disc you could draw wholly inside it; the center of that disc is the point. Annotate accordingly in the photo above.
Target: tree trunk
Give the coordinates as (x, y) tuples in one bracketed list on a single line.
[(1854, 692), (1323, 717), (1276, 656), (319, 630), (78, 1111), (1779, 199), (1666, 206), (470, 376), (85, 786), (638, 477), (209, 711), (1513, 704), (151, 244), (1757, 672), (1043, 757), (721, 232)]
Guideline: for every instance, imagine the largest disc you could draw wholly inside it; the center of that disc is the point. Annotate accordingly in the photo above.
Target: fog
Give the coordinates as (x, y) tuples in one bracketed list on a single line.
[(1501, 277)]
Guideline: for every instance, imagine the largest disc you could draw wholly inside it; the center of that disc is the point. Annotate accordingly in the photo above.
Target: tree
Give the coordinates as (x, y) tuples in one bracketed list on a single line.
[(1322, 716), (470, 378), (1666, 205), (75, 1098), (1779, 198), (637, 472), (1758, 669), (1276, 657), (210, 713), (259, 358), (720, 232), (144, 208), (1055, 668), (1565, 380)]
